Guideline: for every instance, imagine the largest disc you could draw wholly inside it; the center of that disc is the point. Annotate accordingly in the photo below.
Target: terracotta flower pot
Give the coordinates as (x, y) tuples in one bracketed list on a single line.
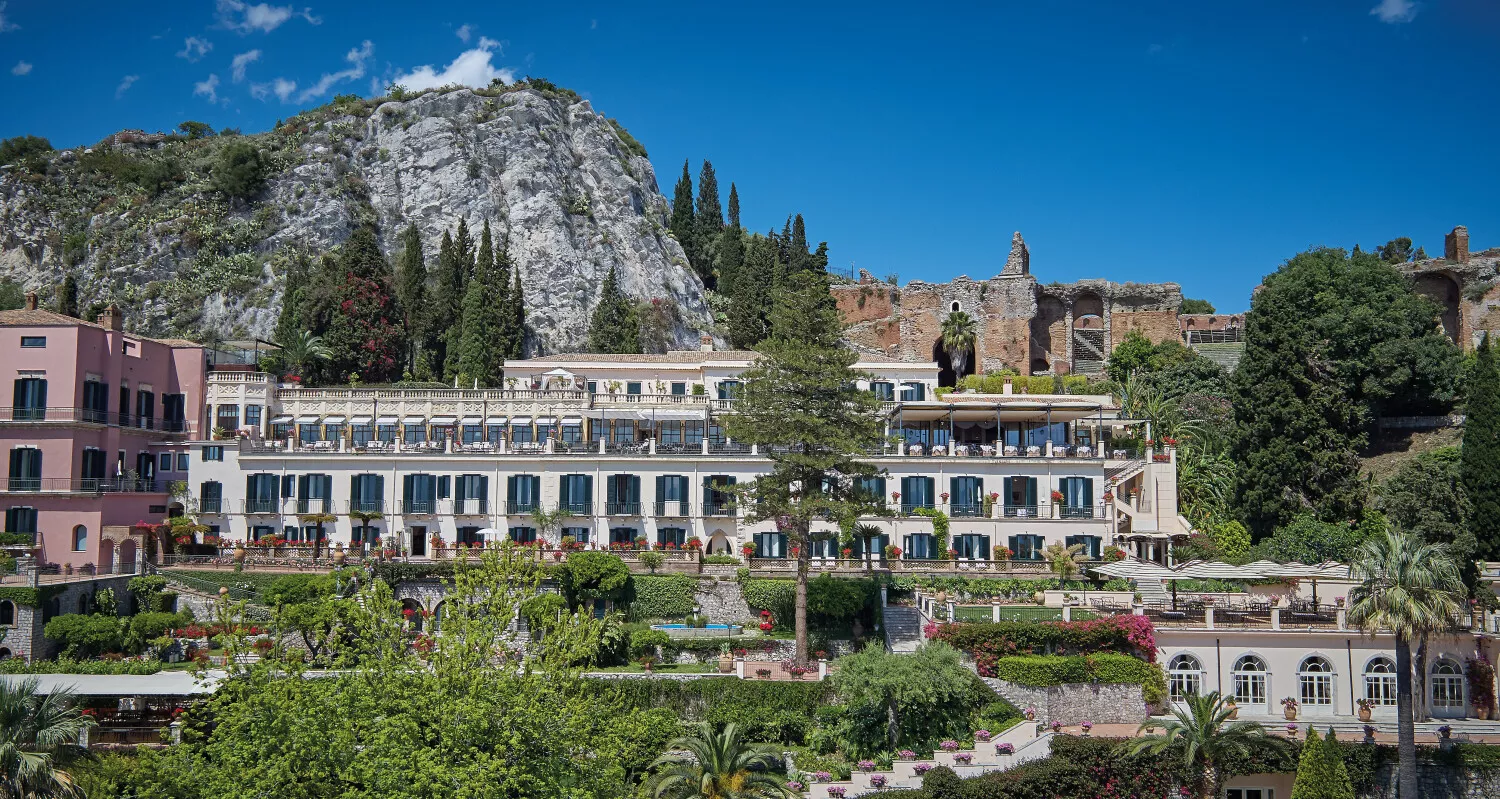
[(1290, 713), (1364, 714)]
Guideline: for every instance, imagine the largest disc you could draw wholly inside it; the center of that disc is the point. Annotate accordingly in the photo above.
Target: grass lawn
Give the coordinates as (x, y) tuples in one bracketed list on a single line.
[(1018, 613)]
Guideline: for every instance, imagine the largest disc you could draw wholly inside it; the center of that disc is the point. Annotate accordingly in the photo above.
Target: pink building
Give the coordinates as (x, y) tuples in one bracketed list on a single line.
[(94, 431)]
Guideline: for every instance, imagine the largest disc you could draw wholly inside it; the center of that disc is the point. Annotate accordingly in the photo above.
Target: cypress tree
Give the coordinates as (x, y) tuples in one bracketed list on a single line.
[(1321, 773), (67, 296), (798, 259), (1479, 467), (290, 323), (682, 221), (613, 327), (820, 257), (447, 304), (457, 274), (734, 205), (501, 299), (482, 349), (364, 332), (411, 290), (516, 318), (710, 213), (747, 312), (730, 258)]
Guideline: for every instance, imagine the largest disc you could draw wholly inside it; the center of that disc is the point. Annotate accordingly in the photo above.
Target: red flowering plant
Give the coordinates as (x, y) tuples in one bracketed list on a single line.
[(695, 543), (847, 552), (987, 642), (1113, 554)]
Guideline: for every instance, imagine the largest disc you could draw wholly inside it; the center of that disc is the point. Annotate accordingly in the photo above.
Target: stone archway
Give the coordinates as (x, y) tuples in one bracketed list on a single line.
[(128, 552), (1442, 288), (719, 544), (106, 557)]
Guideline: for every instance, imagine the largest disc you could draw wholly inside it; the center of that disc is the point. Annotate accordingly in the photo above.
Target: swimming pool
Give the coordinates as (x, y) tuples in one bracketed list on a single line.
[(708, 630)]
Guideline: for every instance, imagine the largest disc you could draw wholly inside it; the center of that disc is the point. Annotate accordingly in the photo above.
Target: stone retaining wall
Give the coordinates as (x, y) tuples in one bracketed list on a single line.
[(1439, 782), (1073, 703)]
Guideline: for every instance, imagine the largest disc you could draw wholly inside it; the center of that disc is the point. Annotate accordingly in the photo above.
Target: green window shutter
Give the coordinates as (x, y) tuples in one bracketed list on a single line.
[(661, 488), (611, 489), (1088, 491), (534, 493), (1030, 490), (633, 488), (587, 500), (379, 497), (444, 487), (565, 489), (407, 481), (510, 488), (956, 491)]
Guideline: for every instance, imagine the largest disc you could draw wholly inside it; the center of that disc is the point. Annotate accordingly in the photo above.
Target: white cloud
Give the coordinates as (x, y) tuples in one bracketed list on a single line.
[(281, 87), (208, 88), (356, 58), (21, 68), (241, 61), (194, 48), (1395, 12), (464, 32), (471, 68), (239, 16), (5, 24), (125, 84)]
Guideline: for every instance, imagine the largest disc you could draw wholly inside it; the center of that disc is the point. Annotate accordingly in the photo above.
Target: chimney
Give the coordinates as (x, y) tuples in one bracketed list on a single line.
[(1456, 245), (31, 300), (111, 319), (706, 343)]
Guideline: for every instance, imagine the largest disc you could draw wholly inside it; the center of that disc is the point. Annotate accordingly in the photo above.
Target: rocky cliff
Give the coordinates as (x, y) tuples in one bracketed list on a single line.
[(135, 218)]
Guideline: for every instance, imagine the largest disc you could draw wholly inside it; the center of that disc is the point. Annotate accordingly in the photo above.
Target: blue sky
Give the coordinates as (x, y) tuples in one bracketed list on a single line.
[(1202, 143)]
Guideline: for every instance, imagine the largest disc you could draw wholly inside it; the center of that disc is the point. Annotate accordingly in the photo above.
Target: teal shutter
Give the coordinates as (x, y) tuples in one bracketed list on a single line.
[(612, 491), (1030, 491), (586, 502)]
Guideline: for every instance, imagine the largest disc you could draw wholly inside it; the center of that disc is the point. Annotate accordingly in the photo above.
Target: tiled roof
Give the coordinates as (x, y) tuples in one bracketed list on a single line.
[(22, 317)]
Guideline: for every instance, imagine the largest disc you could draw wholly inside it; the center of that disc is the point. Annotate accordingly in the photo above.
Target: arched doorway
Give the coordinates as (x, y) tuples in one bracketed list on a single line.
[(106, 556), (718, 544), (1442, 289), (127, 557), (412, 610)]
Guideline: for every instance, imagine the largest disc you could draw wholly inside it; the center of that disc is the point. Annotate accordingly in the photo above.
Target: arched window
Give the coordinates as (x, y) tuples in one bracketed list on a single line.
[(1447, 684), (955, 306), (1184, 677), (1315, 682), (7, 613), (5, 653), (80, 538), (1380, 682), (412, 610), (1250, 681)]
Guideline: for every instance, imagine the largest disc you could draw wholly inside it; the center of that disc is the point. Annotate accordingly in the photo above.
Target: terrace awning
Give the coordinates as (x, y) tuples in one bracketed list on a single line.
[(1135, 569), (333, 420), (1216, 570), (360, 420), (469, 420), (442, 421), (282, 420), (413, 420), (546, 420), (572, 420), (385, 420), (522, 420), (495, 420), (307, 420)]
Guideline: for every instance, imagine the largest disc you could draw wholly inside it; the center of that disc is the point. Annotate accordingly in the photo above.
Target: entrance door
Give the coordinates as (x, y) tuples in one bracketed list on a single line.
[(419, 542)]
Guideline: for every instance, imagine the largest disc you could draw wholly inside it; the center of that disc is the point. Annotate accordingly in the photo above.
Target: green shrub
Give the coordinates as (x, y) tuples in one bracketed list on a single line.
[(721, 560), (541, 610), (143, 627), (18, 148), (647, 642), (83, 636), (70, 666), (668, 596), (239, 172), (592, 575), (1320, 770), (942, 783), (779, 712), (1042, 670)]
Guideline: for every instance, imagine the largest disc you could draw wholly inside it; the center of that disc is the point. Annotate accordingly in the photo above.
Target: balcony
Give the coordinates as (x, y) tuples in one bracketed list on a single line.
[(577, 508), (719, 508), (622, 508), (674, 508), (81, 485), (311, 505), (34, 415), (211, 506), (472, 506), (911, 508), (367, 507), (261, 507), (519, 507), (966, 510), (419, 507)]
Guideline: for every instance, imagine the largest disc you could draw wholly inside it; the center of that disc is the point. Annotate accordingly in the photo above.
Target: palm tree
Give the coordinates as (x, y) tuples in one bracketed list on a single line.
[(1066, 561), (1411, 588), (302, 350), (712, 764), (38, 734), (958, 338), (1206, 740)]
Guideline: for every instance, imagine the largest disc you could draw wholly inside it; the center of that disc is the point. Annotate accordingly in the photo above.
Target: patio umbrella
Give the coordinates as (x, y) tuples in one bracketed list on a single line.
[(1138, 570), (1217, 570), (1297, 571)]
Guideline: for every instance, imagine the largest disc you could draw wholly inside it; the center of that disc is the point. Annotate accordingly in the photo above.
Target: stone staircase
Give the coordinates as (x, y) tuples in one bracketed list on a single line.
[(1226, 354), (984, 759), (1152, 591), (903, 628)]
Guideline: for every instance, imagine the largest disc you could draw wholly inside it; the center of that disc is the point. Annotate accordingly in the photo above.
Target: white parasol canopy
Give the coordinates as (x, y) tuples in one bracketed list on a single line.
[(1135, 569), (1216, 570)]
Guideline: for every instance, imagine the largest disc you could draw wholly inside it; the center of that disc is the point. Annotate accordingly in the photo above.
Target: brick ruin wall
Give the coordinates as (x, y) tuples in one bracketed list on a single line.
[(1021, 324)]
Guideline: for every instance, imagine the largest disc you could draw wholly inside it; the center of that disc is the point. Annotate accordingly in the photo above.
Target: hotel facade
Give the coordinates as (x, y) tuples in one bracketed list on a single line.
[(632, 449)]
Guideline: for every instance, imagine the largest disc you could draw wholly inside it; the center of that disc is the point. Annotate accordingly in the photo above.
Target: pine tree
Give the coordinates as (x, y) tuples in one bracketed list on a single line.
[(1321, 773), (411, 290), (613, 327), (800, 399), (752, 287), (481, 345), (734, 205), (517, 318), (1480, 465), (67, 296)]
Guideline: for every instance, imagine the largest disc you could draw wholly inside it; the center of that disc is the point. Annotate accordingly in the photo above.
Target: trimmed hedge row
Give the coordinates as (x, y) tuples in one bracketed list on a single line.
[(1044, 670), (782, 712), (662, 596)]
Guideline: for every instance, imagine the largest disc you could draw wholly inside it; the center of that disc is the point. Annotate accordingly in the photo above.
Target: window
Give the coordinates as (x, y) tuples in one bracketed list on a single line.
[(80, 538), (916, 492), (1019, 496), (718, 499), (913, 392), (367, 493), (729, 389), (30, 401), (883, 390), (671, 537), (1090, 544), (182, 461), (522, 492), (20, 520), (576, 493), (7, 613), (1447, 685), (315, 493), (166, 462), (870, 489), (920, 546), (633, 387), (521, 433), (679, 389), (966, 496), (580, 535), (28, 342), (622, 494), (1315, 682), (1184, 677), (672, 495), (91, 469), (473, 433), (213, 453), (1027, 547), (472, 494), (1380, 682), (210, 497), (145, 409), (1078, 497), (571, 432), (1250, 681), (25, 469), (419, 493), (95, 402), (227, 417), (770, 545), (523, 535), (972, 547), (252, 416), (262, 493)]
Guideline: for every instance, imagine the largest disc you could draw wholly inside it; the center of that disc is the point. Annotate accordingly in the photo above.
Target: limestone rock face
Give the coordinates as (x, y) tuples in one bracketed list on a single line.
[(554, 178)]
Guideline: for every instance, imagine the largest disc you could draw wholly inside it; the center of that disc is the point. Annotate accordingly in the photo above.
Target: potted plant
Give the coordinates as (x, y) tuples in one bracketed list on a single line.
[(866, 766), (1365, 709), (1234, 709), (764, 674), (906, 754), (1289, 708), (726, 660), (1029, 713), (1481, 676)]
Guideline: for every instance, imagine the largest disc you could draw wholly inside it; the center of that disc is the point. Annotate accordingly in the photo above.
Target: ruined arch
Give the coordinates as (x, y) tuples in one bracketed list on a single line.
[(947, 375), (1442, 288)]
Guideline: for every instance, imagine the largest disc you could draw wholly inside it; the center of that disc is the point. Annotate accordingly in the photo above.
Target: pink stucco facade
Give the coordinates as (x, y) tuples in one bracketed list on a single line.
[(93, 422)]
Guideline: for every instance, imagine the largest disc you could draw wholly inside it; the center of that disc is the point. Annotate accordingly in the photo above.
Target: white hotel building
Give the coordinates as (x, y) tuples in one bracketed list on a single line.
[(632, 447)]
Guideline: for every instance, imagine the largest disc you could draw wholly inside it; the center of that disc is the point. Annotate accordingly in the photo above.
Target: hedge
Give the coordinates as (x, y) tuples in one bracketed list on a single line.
[(781, 712), (1043, 670), (68, 666), (661, 596), (1132, 635), (1013, 588), (830, 599)]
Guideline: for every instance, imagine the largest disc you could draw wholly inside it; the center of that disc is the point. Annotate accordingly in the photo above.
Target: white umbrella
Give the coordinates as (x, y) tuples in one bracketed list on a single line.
[(483, 534), (1216, 570), (1134, 569)]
